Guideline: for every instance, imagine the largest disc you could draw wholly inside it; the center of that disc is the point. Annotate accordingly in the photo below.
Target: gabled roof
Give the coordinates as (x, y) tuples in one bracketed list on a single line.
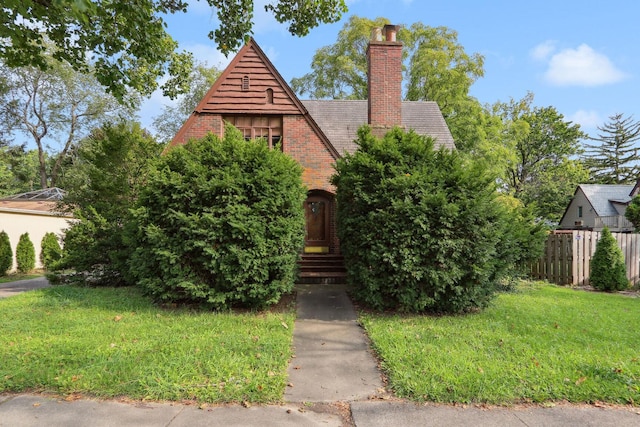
[(340, 120), (224, 96), (602, 196)]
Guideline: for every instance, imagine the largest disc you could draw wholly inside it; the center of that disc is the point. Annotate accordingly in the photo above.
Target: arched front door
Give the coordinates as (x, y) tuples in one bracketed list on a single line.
[(318, 227)]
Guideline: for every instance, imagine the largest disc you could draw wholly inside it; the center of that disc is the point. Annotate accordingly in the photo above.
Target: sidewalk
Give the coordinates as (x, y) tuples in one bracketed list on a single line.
[(333, 381)]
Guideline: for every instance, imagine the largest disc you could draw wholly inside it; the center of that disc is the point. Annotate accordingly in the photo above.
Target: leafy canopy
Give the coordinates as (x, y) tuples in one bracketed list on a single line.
[(127, 42), (53, 109), (532, 150)]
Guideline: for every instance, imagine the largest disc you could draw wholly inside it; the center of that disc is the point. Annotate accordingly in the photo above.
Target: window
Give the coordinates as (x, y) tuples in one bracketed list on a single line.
[(245, 83), (268, 128), (269, 96), (579, 211)]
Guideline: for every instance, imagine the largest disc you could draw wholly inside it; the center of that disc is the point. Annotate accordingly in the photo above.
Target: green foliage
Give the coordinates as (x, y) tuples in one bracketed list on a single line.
[(220, 223), (608, 270), (6, 253), (130, 47), (111, 167), (53, 109), (424, 230), (533, 149), (632, 213), (25, 254), (615, 160), (50, 250)]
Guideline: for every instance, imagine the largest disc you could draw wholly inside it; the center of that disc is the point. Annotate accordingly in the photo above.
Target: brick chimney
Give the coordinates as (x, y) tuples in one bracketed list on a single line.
[(384, 56)]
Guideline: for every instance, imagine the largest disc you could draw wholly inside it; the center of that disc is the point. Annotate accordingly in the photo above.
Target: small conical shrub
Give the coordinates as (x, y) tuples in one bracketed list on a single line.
[(25, 254), (6, 254), (50, 250), (608, 271)]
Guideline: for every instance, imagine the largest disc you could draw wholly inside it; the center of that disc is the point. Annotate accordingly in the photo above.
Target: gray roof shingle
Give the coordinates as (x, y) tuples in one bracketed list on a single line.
[(600, 196), (340, 119)]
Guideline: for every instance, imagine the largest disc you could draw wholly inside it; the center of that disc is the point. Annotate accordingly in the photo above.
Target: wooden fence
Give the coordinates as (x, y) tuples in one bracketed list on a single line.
[(567, 257)]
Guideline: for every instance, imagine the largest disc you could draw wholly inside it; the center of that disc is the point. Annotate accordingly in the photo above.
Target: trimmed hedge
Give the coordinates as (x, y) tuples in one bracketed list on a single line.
[(220, 223), (608, 270), (424, 229), (25, 254), (6, 253)]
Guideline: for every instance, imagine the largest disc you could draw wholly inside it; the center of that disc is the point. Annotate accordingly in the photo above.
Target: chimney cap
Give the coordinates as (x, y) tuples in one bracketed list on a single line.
[(376, 34), (390, 32)]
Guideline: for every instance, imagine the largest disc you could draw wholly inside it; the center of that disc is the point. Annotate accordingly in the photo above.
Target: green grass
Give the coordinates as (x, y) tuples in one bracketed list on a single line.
[(17, 276), (112, 342), (541, 344)]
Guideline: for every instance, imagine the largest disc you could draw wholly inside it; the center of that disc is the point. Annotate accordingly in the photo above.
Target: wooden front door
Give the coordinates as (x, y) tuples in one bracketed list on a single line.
[(316, 209)]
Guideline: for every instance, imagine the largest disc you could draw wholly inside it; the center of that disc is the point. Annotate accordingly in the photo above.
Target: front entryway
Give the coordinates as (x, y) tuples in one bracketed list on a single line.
[(318, 226)]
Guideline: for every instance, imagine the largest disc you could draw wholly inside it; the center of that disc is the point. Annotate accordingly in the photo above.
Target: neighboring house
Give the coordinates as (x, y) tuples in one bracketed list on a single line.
[(595, 206), (34, 213), (252, 95)]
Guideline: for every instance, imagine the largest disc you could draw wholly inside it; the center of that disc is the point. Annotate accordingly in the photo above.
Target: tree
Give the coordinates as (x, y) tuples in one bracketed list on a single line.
[(425, 230), (111, 167), (533, 151), (615, 160), (127, 40), (632, 213), (608, 270), (6, 253), (50, 250), (220, 224), (58, 105), (168, 123), (437, 69), (19, 170), (25, 254)]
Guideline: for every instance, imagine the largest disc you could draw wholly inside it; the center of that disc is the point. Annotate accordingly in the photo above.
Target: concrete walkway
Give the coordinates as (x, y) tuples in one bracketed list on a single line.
[(332, 358), (334, 382)]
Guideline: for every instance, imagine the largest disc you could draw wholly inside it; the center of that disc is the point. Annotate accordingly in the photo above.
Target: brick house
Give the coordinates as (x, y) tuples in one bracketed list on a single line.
[(252, 95)]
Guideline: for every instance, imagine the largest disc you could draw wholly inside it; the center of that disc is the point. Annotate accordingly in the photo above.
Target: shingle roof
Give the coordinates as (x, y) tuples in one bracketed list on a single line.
[(340, 120), (600, 196)]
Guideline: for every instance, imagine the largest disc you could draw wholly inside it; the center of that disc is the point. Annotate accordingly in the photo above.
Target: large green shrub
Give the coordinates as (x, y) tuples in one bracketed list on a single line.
[(112, 165), (50, 250), (608, 270), (25, 254), (6, 253), (220, 224), (425, 230)]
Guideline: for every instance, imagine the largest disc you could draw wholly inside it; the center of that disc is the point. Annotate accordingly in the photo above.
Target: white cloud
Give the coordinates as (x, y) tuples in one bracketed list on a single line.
[(582, 67), (542, 51), (589, 119)]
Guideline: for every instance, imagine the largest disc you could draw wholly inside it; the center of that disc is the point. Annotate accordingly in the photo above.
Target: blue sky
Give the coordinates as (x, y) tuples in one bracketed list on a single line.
[(581, 57)]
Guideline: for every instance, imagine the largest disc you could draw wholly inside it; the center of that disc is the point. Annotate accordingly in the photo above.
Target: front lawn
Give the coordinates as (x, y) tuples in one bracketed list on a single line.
[(112, 342), (542, 343)]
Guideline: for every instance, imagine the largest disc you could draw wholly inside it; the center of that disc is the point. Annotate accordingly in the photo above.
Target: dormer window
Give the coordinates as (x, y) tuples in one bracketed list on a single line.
[(269, 96), (245, 83)]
